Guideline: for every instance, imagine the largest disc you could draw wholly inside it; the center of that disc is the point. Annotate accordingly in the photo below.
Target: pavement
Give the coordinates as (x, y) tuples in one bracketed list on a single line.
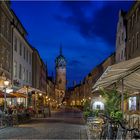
[(61, 125)]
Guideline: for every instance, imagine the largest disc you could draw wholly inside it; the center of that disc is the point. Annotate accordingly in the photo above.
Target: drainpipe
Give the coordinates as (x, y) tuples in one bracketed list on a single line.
[(122, 97)]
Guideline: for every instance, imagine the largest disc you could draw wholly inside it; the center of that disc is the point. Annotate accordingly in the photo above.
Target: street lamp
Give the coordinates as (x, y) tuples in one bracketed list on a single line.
[(6, 84)]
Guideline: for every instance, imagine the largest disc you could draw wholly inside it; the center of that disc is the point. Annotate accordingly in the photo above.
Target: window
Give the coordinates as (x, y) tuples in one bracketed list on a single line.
[(132, 103), (2, 22), (5, 27), (122, 36), (15, 45), (133, 45), (129, 24), (119, 40), (26, 75), (24, 52), (30, 58), (20, 71), (132, 20), (119, 57), (60, 81), (15, 69), (23, 74), (30, 77), (137, 10), (122, 55), (27, 55), (129, 49), (137, 40), (20, 51)]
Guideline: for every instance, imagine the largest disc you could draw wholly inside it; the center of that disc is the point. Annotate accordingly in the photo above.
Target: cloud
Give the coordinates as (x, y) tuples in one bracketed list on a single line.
[(74, 63), (102, 21)]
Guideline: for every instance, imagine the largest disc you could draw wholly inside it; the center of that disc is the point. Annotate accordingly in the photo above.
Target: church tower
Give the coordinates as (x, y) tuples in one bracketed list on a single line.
[(60, 81)]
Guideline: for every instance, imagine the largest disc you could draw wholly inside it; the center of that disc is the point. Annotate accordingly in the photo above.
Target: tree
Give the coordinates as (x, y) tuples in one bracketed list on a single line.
[(113, 103)]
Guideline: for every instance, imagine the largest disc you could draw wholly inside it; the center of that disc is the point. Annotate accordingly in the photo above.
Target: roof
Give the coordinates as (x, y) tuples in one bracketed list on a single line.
[(129, 71), (25, 31)]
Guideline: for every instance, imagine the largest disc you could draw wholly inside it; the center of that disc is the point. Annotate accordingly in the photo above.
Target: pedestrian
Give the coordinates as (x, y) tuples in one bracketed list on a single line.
[(49, 111)]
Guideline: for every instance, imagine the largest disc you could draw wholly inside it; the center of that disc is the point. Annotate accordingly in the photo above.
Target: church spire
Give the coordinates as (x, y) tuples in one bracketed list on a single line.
[(60, 49)]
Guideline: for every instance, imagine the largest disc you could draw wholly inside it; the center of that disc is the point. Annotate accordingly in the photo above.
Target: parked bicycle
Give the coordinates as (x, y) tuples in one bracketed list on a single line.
[(117, 130)]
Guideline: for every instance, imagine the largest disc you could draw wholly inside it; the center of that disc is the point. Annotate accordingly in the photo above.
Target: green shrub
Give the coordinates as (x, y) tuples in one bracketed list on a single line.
[(116, 115)]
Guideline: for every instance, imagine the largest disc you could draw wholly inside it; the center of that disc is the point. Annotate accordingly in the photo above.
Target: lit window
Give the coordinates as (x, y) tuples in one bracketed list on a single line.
[(132, 103)]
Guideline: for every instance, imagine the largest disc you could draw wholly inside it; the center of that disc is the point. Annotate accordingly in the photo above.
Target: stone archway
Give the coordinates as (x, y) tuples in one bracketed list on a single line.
[(98, 103)]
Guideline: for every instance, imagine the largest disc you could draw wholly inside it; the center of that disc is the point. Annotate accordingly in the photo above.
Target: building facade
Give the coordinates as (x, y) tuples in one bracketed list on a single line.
[(36, 69), (60, 82), (81, 93), (50, 99), (121, 37), (133, 31), (43, 77), (22, 56), (6, 19), (128, 34)]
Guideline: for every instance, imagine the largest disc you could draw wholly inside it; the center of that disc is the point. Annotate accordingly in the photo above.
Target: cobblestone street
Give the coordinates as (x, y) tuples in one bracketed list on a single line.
[(62, 125)]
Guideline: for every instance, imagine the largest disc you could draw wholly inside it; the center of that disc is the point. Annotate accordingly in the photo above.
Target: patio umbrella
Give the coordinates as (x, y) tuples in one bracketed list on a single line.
[(7, 95), (19, 95)]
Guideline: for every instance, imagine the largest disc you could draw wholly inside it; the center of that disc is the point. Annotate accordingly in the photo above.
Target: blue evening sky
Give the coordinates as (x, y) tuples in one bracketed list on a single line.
[(86, 30)]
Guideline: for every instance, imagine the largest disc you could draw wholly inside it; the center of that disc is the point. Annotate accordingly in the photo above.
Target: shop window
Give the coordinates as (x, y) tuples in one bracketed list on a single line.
[(132, 103)]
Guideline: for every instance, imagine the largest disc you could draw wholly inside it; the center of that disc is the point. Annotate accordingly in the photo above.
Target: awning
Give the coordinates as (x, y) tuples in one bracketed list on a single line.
[(19, 95), (28, 89), (7, 95), (129, 71)]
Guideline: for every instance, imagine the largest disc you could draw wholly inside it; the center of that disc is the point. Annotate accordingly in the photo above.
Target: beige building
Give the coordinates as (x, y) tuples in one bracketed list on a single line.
[(128, 34), (22, 56), (133, 31), (121, 38), (6, 19), (36, 69)]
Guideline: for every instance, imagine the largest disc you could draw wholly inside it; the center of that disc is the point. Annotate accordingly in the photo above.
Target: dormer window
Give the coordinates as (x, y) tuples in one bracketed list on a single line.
[(137, 10)]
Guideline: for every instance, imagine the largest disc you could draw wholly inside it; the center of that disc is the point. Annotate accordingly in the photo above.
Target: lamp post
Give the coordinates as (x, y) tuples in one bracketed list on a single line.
[(6, 83)]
